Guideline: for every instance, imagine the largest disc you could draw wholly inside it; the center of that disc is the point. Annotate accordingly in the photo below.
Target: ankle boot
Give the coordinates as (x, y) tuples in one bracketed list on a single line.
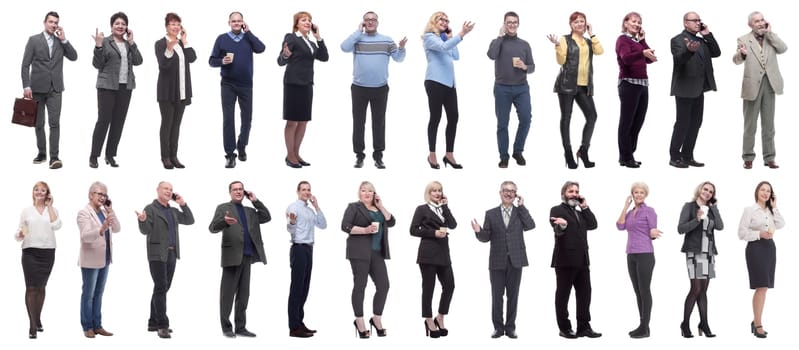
[(582, 154), (567, 153)]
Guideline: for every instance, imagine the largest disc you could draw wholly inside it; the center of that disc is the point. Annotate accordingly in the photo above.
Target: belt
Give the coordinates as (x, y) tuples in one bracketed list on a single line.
[(305, 244), (171, 248)]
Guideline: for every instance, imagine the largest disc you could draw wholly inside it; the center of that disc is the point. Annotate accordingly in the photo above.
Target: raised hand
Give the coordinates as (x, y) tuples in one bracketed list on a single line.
[(402, 42), (98, 37), (229, 219), (141, 216), (286, 50), (475, 226), (467, 27), (553, 39)]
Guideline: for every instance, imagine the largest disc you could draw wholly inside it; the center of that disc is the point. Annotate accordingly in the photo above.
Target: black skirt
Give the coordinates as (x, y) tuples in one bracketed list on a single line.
[(37, 264), (761, 260), (297, 102)]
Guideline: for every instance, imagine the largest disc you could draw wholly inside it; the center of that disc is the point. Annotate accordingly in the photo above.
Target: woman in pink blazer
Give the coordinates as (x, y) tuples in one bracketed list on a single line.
[(96, 223)]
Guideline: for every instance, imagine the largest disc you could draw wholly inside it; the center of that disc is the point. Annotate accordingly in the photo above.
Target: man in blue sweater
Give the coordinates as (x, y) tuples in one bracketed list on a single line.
[(371, 52), (233, 52)]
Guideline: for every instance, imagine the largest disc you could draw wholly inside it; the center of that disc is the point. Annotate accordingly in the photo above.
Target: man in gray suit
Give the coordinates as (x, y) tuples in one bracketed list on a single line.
[(758, 51), (504, 227), (242, 246), (43, 81)]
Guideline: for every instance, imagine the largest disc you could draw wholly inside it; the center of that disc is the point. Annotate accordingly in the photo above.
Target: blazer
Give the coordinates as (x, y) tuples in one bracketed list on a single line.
[(168, 88), (360, 246), (233, 235), (299, 66), (506, 242), (92, 245), (692, 228), (107, 59), (157, 230), (40, 72), (571, 243), (692, 69), (760, 62), (425, 223)]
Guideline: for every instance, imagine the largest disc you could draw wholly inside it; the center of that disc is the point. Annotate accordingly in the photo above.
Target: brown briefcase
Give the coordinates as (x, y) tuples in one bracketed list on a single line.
[(24, 112)]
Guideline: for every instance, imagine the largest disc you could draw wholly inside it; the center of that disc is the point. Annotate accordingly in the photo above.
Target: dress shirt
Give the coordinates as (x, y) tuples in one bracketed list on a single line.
[(638, 227), (307, 219), (756, 219)]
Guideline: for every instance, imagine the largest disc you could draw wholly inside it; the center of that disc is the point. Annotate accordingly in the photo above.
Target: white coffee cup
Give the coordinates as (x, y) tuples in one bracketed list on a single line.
[(704, 209), (230, 54)]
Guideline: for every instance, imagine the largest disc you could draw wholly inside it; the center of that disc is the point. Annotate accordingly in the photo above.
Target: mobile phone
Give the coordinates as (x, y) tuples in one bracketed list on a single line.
[(57, 32), (702, 26), (767, 25), (314, 28), (243, 26), (581, 200), (712, 200), (174, 196), (247, 194), (107, 202), (448, 31)]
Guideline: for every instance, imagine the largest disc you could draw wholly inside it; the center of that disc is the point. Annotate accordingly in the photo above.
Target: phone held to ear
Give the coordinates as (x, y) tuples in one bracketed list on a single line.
[(174, 196), (107, 202), (314, 28), (247, 194), (448, 31), (702, 26)]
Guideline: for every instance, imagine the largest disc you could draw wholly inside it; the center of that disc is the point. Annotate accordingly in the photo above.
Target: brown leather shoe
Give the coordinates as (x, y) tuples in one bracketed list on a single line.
[(89, 333), (103, 332), (300, 333), (747, 164), (772, 164)]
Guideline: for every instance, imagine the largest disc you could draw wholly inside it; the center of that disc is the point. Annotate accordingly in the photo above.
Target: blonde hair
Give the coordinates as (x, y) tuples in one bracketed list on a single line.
[(432, 23), (698, 190), (429, 188), (370, 187), (641, 185), (40, 183)]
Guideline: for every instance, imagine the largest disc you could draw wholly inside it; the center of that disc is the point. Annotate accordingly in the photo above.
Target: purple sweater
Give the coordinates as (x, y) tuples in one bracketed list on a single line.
[(638, 226), (630, 56)]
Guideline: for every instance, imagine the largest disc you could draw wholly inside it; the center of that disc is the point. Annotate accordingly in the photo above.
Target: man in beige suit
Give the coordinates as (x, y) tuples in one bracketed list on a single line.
[(758, 51)]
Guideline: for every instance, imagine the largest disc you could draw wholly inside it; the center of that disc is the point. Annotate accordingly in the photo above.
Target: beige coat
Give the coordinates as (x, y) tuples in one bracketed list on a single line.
[(758, 62)]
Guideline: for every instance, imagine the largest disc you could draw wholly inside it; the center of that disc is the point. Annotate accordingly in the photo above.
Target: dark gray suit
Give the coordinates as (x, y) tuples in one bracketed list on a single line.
[(507, 257), (43, 73), (236, 265)]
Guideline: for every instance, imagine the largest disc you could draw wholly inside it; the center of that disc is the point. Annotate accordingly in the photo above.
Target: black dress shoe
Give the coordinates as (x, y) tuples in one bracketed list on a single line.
[(245, 333), (230, 162), (629, 163), (110, 161), (55, 163), (678, 164), (358, 163), (379, 164), (242, 156), (155, 329), (229, 334), (497, 333), (177, 163), (163, 333), (308, 330), (588, 332), (511, 334), (519, 159), (304, 163), (568, 334), (503, 163), (292, 165), (93, 163), (694, 163), (40, 158), (300, 333)]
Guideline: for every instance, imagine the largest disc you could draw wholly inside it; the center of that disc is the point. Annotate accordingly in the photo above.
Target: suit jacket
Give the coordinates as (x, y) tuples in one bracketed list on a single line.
[(506, 242), (425, 223), (692, 74), (360, 246), (168, 88), (107, 59), (692, 228), (92, 245), (157, 229), (759, 62), (233, 235), (40, 72), (571, 243), (299, 66)]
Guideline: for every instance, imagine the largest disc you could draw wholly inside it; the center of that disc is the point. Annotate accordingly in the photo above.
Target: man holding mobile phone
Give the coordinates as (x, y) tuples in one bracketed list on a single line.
[(43, 81), (372, 52), (762, 81), (159, 222), (233, 53)]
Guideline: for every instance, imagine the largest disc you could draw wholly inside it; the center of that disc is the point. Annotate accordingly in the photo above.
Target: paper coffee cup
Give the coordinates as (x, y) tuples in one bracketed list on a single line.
[(230, 54), (24, 229), (376, 224), (516, 61), (443, 229), (704, 209)]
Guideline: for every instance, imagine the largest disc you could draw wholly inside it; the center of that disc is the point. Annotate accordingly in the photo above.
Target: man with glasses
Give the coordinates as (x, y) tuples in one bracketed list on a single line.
[(513, 61), (504, 227), (371, 53), (691, 77)]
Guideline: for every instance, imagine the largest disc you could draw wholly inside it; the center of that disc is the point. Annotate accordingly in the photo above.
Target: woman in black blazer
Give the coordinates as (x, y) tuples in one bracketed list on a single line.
[(114, 58), (699, 219), (174, 86), (430, 223), (367, 222), (298, 55)]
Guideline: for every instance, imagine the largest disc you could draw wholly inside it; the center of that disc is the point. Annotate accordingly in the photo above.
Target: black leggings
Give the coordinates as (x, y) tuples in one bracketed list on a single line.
[(586, 104), (640, 267), (438, 96)]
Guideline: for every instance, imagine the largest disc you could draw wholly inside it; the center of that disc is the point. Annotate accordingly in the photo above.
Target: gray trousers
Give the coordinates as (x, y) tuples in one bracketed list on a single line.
[(763, 104), (52, 100), (374, 267)]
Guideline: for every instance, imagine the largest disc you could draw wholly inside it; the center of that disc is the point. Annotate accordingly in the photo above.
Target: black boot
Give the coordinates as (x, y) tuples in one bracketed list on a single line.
[(582, 154), (569, 158)]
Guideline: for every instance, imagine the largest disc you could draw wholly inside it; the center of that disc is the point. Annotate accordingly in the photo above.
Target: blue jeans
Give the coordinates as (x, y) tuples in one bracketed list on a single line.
[(519, 97), (91, 299)]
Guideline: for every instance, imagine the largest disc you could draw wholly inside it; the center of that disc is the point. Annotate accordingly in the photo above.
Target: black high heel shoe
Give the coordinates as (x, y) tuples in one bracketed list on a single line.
[(443, 331), (567, 154), (582, 154), (433, 165), (292, 165), (429, 332), (685, 330), (381, 332), (704, 329), (451, 163), (93, 163), (755, 333), (362, 335), (32, 334), (113, 163)]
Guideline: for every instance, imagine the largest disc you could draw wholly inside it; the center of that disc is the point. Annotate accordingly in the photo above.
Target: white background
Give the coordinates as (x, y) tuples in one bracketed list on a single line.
[(193, 300)]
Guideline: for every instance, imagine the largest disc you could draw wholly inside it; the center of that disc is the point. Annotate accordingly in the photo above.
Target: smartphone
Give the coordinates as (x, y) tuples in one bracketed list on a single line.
[(702, 26), (448, 31), (767, 25), (314, 28), (247, 194), (712, 200), (243, 26), (107, 202), (581, 200), (174, 196), (57, 32)]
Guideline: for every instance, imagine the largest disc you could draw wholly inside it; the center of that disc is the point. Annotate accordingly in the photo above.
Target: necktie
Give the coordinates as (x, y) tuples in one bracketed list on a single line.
[(506, 216), (577, 214)]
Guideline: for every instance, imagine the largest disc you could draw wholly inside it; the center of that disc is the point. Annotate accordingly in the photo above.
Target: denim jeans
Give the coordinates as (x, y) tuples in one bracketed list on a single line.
[(91, 298), (519, 97)]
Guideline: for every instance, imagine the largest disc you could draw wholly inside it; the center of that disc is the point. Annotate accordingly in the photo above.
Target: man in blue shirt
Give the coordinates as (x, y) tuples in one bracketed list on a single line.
[(233, 52), (371, 52), (301, 222)]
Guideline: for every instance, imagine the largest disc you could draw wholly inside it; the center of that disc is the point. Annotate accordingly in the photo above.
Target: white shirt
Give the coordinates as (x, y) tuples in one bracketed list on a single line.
[(40, 232), (177, 49), (755, 219)]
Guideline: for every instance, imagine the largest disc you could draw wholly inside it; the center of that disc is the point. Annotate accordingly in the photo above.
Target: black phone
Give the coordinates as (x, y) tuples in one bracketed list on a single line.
[(712, 200), (174, 196), (314, 28), (247, 194), (448, 31), (243, 26), (702, 26), (767, 25), (107, 202)]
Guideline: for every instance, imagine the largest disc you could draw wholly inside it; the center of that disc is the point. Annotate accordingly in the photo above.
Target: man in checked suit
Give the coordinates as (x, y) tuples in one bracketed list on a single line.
[(504, 227), (43, 81), (572, 220), (758, 51), (242, 246)]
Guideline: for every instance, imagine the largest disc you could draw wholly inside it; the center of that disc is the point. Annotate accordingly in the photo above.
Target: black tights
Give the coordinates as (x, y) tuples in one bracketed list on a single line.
[(697, 295), (34, 300)]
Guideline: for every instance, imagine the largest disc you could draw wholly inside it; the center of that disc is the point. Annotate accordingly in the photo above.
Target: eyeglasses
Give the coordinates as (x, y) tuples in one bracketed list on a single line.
[(512, 23), (695, 20), (370, 20), (101, 194), (445, 20), (509, 191)]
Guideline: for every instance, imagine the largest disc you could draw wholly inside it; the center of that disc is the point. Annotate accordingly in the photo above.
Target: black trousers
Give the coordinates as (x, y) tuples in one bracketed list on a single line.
[(505, 281), (640, 266), (438, 96), (377, 98), (447, 279), (690, 112), (578, 277), (161, 273), (231, 93), (374, 267), (634, 103), (301, 256), (112, 110), (235, 284), (171, 116), (586, 104)]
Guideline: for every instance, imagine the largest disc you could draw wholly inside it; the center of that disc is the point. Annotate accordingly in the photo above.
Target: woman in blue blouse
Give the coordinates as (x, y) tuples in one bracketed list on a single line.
[(440, 48)]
